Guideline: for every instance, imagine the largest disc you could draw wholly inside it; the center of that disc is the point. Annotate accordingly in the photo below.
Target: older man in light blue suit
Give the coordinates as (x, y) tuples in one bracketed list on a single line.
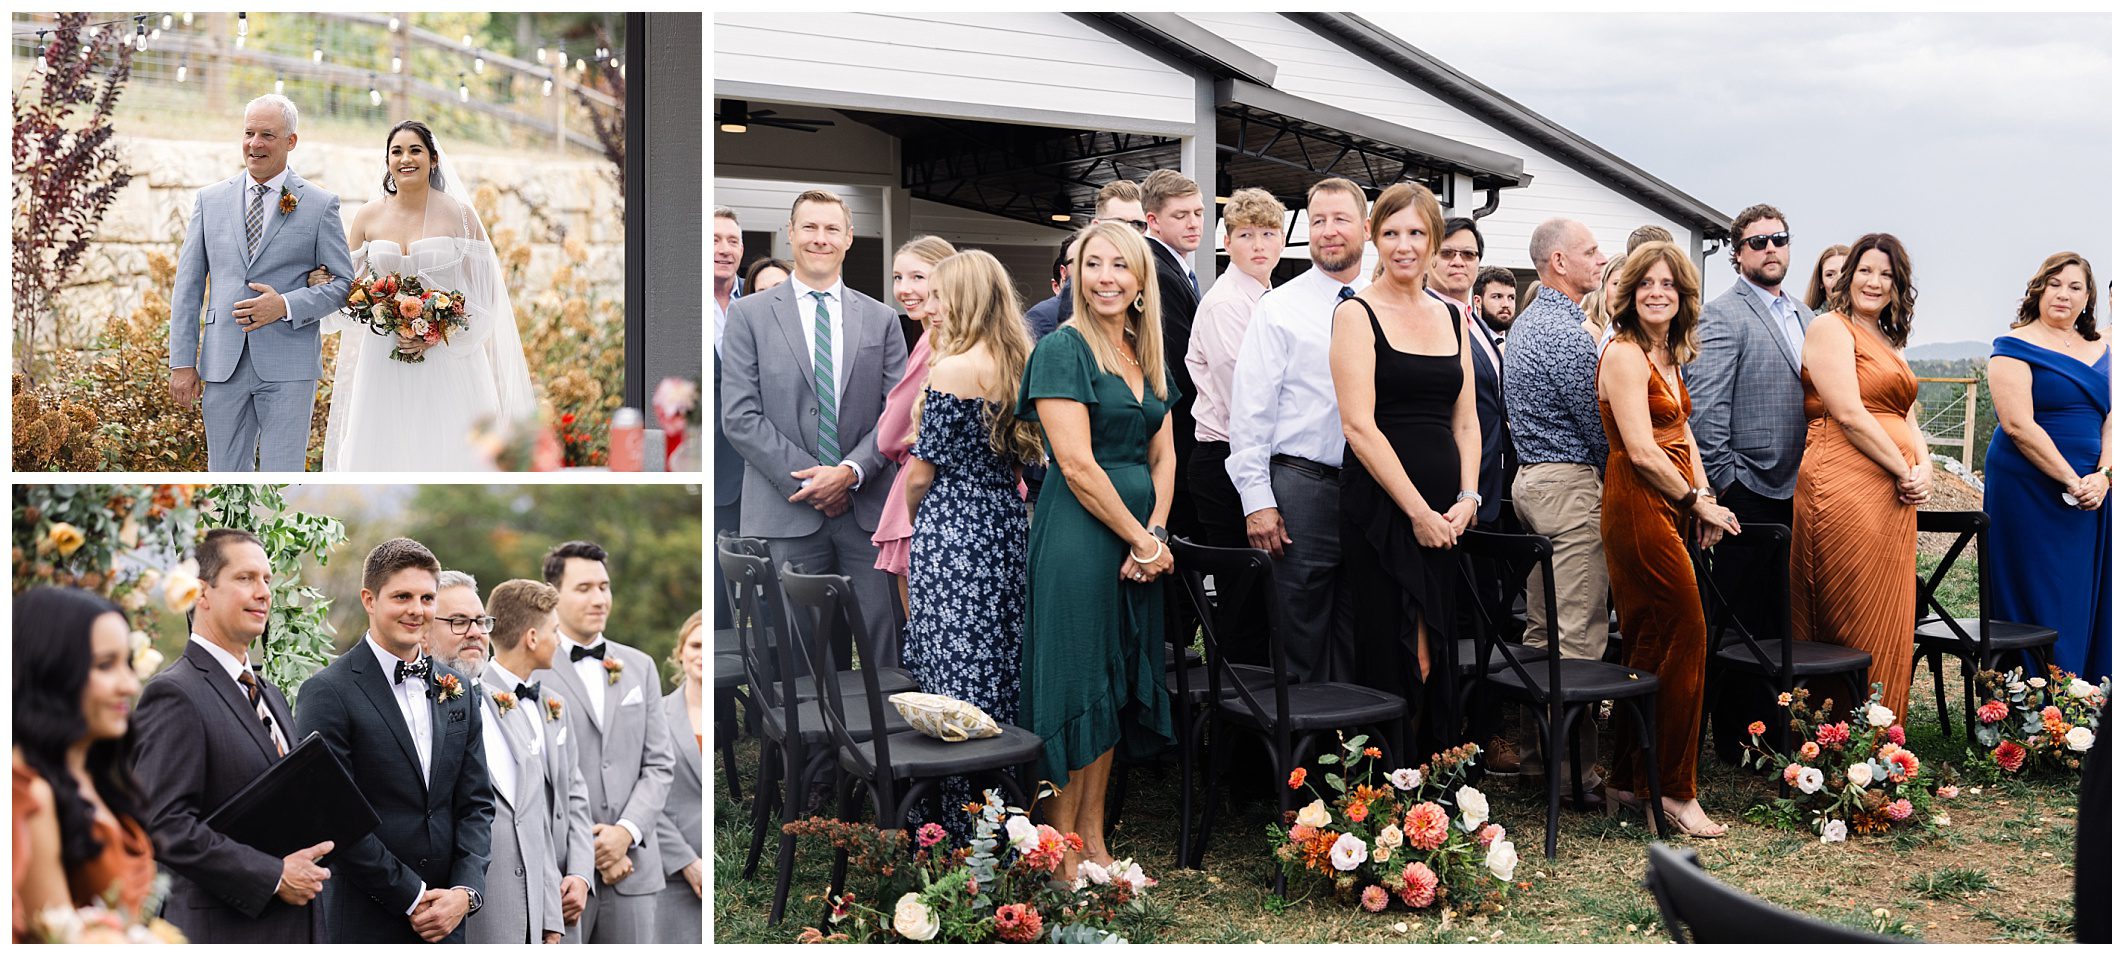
[(250, 244)]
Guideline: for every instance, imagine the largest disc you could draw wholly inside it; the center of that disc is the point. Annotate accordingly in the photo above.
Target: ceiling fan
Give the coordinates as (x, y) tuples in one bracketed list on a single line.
[(731, 116)]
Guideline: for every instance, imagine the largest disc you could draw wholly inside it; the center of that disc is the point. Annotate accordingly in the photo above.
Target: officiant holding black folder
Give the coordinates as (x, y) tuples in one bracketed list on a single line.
[(206, 728)]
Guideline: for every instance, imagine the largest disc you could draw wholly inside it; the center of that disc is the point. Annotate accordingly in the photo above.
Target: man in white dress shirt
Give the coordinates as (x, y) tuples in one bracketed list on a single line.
[(625, 750), (1286, 435)]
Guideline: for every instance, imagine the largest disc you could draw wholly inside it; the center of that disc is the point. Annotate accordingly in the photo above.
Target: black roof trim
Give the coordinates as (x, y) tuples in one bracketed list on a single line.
[(1178, 36), (1490, 169)]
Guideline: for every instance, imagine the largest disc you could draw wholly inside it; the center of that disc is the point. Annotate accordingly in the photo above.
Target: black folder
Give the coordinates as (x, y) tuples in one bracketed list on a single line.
[(305, 799)]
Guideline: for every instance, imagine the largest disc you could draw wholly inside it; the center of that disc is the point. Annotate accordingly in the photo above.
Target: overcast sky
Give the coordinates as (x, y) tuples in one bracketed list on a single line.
[(1981, 140)]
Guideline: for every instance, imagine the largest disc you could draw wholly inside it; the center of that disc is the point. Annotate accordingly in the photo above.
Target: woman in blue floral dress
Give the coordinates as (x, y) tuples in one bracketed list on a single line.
[(966, 566)]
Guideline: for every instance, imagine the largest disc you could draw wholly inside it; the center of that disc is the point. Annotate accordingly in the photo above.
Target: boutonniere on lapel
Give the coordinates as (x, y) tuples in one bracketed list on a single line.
[(504, 701), (553, 706), (613, 668), (448, 688), (287, 200)]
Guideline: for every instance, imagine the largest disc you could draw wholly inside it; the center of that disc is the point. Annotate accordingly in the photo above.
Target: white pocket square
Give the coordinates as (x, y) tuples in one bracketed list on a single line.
[(561, 739), (634, 696)]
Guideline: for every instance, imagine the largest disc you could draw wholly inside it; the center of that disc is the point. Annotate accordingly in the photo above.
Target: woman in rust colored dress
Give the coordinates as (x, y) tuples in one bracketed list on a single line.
[(1655, 491), (1865, 471), (73, 792)]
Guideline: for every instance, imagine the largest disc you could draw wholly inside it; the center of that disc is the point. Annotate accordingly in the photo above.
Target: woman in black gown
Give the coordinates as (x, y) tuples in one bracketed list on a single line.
[(1405, 389)]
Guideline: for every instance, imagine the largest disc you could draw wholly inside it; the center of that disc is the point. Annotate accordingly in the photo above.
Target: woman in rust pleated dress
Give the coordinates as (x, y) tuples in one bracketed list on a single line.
[(1655, 497), (1865, 471)]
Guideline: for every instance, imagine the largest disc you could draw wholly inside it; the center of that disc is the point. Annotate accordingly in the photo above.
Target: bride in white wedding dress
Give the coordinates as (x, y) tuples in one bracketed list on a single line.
[(389, 414)]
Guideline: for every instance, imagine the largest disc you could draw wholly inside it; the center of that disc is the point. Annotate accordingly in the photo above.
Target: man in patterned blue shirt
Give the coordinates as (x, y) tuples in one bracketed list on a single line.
[(1549, 369)]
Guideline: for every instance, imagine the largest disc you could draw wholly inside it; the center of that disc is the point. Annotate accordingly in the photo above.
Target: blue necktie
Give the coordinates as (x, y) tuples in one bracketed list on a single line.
[(1346, 293)]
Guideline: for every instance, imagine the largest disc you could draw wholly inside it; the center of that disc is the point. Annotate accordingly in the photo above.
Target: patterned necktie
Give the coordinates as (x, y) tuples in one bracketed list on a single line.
[(416, 668), (1346, 293), (254, 218), (250, 687), (822, 382)]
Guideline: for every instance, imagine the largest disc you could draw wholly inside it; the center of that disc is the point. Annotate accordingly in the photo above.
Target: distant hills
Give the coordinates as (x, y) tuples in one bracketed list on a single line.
[(1948, 350)]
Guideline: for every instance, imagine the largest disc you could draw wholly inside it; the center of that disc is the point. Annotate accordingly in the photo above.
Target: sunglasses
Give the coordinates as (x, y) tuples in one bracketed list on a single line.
[(1461, 255), (1759, 243), (1138, 224)]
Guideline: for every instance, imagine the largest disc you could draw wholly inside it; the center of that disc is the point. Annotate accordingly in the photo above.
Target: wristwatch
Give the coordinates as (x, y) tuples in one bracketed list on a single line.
[(1688, 500), (471, 896), (1474, 496), (1158, 531)]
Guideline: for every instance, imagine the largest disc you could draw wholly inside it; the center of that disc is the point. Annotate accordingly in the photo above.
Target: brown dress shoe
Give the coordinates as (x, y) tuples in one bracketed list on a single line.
[(1501, 757)]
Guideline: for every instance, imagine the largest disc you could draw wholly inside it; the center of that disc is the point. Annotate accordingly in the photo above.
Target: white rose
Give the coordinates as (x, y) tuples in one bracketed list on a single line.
[(1024, 837), (1406, 779), (1809, 780), (1879, 716), (1389, 837), (1129, 873), (2079, 688), (1834, 831), (1860, 774), (2037, 682), (2079, 739), (1314, 815), (1474, 808), (2016, 686), (1348, 852), (1503, 859), (1092, 874), (912, 919)]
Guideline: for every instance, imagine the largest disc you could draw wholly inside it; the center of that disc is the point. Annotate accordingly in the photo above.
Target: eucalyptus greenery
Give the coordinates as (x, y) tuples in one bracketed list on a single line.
[(298, 635)]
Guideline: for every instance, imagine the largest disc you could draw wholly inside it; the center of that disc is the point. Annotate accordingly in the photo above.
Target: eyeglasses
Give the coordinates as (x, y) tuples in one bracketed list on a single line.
[(1138, 224), (462, 625), (1459, 255), (1759, 243)]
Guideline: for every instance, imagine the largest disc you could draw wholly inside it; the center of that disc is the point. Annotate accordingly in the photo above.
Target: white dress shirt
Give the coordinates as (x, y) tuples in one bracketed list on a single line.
[(412, 697), (808, 307), (591, 672), (236, 666), (1283, 395), (538, 726), (1788, 314), (501, 760)]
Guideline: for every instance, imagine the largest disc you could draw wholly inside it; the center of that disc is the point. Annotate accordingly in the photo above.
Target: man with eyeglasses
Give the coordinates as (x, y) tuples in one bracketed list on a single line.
[(1749, 416), (458, 633)]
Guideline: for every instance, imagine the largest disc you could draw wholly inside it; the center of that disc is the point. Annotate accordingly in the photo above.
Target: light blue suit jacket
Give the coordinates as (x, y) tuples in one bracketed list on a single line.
[(213, 270)]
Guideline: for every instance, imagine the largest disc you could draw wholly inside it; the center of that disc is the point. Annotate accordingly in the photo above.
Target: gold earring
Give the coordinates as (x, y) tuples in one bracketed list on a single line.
[(1139, 301)]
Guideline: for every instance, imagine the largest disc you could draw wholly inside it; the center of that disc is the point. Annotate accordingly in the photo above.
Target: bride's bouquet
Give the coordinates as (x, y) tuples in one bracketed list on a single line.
[(393, 303)]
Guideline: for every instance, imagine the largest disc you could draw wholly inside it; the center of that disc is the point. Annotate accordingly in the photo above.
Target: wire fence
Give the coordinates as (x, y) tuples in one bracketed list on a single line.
[(1956, 414)]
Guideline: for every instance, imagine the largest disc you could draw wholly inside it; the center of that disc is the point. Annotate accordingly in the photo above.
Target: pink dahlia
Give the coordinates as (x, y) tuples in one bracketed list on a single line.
[(1792, 771), (1902, 765), (1992, 712), (1895, 735), (1833, 735), (1900, 810), (1017, 923), (1419, 886), (2009, 755), (1373, 899), (1425, 826)]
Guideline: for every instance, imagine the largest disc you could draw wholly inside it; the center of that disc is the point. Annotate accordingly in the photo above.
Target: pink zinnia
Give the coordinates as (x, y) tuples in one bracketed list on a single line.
[(2053, 713), (1425, 826), (1833, 735), (1895, 735), (1373, 899), (1488, 834), (929, 835), (1900, 810), (2009, 755), (1419, 886), (1810, 750), (1992, 712), (1017, 923)]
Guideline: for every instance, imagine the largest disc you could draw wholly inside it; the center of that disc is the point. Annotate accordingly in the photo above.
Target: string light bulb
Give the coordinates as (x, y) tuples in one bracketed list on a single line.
[(140, 33), (43, 65), (542, 54), (375, 98), (393, 26), (468, 40), (184, 67), (316, 48), (479, 64), (464, 93), (615, 63), (188, 18), (547, 90), (397, 65), (280, 83), (243, 24), (165, 21), (579, 67)]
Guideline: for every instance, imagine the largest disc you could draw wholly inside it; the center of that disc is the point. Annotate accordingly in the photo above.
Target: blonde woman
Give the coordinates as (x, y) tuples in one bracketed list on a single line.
[(911, 269), (678, 825), (966, 566), (1092, 678)]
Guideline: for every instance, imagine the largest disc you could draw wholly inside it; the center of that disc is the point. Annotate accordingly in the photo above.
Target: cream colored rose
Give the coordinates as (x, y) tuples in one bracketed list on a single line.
[(1314, 815), (1502, 859), (2079, 738), (1474, 808), (912, 919), (180, 589)]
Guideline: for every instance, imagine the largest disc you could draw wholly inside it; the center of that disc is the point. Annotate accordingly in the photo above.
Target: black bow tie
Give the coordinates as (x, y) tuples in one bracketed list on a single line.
[(579, 652), (418, 667), (527, 691)]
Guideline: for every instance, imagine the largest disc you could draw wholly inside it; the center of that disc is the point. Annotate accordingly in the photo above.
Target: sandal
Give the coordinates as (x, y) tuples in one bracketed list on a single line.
[(1676, 823)]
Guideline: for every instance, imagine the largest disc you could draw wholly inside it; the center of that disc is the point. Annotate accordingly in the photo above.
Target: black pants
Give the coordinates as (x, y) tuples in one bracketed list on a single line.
[(1755, 599)]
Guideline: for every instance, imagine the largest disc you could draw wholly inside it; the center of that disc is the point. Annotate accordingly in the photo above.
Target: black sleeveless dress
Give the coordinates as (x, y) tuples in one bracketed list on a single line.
[(1393, 581)]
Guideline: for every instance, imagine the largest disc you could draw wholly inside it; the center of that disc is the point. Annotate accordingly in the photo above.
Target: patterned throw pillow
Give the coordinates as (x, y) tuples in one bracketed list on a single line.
[(945, 718)]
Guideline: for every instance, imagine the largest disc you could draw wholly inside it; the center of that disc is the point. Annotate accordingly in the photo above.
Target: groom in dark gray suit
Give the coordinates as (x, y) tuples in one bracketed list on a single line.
[(255, 351), (408, 729), (806, 366)]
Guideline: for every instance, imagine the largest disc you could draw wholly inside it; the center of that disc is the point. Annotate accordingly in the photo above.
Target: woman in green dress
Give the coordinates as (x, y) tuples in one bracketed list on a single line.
[(1092, 678)]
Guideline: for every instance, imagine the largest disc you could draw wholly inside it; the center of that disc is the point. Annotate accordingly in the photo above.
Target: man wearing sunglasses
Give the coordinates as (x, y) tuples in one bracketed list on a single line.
[(1749, 418)]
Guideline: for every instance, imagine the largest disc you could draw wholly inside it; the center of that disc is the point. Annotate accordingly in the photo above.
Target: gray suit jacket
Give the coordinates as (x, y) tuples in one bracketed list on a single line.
[(1749, 414), (289, 246), (522, 898), (567, 795), (626, 759), (678, 830), (771, 412)]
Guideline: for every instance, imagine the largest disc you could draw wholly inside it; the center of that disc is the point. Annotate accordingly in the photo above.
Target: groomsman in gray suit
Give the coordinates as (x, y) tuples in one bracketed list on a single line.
[(806, 366), (625, 750), (247, 253), (678, 828)]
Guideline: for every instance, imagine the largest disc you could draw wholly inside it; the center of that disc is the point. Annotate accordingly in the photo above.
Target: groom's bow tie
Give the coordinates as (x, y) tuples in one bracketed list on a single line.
[(579, 652), (418, 667), (527, 691)]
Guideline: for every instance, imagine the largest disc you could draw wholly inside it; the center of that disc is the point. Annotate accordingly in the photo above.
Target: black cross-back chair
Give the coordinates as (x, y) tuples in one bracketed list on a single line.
[(730, 688), (1187, 678), (794, 744), (1774, 661), (1980, 643), (1699, 909), (899, 769), (1557, 692), (1285, 715)]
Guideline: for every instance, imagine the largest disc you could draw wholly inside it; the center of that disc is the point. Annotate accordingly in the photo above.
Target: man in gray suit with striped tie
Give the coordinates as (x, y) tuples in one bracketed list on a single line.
[(253, 357), (806, 366)]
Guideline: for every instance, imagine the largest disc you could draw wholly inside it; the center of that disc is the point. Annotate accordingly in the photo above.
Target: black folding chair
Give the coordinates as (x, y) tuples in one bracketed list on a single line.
[(1699, 909), (1994, 644), (1558, 692), (824, 609), (1288, 717), (1771, 663)]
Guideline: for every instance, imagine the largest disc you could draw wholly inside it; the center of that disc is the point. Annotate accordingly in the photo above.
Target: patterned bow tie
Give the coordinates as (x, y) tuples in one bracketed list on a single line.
[(527, 691), (579, 652), (418, 667)]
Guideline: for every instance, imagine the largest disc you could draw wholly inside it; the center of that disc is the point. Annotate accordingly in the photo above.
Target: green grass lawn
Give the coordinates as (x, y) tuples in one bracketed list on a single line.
[(2000, 872)]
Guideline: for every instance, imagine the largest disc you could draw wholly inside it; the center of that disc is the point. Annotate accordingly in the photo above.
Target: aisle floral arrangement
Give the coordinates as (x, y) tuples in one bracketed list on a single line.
[(1414, 838), (1000, 888), (1847, 777), (2035, 724)]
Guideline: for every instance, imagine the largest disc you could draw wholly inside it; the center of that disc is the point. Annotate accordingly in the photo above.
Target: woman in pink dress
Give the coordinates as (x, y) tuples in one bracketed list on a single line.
[(911, 266)]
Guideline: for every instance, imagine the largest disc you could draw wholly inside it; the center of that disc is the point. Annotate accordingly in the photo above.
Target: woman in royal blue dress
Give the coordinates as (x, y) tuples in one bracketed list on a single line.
[(2046, 477)]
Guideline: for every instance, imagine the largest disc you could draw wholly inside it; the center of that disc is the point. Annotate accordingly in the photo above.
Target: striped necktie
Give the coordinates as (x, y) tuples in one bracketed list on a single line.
[(254, 218), (250, 686), (822, 382)]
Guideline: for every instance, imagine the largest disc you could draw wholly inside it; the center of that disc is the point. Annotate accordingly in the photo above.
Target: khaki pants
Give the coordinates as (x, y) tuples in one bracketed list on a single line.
[(1561, 501)]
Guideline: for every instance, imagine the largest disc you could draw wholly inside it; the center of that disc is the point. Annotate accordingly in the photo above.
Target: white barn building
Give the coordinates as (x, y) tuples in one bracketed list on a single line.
[(996, 130)]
